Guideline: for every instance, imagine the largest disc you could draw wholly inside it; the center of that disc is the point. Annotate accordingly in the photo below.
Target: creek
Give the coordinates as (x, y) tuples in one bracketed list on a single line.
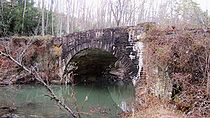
[(95, 101)]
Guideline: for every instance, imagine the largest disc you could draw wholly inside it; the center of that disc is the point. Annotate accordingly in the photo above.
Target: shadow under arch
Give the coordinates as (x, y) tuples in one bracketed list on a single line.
[(93, 65)]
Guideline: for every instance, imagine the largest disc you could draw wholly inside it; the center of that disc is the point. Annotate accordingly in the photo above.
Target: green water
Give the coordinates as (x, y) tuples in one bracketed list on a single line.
[(94, 101)]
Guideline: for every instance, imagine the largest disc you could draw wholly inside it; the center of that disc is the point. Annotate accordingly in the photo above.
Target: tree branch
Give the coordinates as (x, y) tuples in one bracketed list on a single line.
[(33, 72)]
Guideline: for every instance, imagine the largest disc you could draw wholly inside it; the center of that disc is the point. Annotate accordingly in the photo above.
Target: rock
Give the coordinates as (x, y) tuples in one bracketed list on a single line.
[(8, 109), (35, 116), (10, 116), (58, 82), (118, 72)]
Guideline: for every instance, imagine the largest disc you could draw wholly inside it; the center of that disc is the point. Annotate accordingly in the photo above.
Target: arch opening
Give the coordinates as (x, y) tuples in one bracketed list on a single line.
[(92, 65)]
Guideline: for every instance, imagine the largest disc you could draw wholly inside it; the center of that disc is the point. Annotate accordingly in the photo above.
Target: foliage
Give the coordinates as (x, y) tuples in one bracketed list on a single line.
[(57, 50), (12, 21)]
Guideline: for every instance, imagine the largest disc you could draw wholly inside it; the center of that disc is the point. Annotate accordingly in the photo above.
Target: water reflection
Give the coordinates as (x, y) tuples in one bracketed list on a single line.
[(95, 101), (123, 96)]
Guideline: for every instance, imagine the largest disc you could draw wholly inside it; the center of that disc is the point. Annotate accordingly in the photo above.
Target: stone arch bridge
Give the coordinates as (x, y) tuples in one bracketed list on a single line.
[(120, 42)]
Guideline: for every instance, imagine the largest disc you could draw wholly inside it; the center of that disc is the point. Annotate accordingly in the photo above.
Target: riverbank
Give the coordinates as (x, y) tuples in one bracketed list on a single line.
[(177, 65)]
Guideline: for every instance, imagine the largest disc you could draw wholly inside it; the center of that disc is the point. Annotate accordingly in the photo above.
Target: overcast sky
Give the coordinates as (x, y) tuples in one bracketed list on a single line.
[(204, 4)]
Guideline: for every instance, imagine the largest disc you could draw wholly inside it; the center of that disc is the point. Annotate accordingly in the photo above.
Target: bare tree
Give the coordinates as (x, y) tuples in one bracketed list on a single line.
[(47, 20), (43, 29), (68, 17), (124, 11), (24, 10), (60, 25), (52, 17), (72, 16), (83, 15), (118, 8)]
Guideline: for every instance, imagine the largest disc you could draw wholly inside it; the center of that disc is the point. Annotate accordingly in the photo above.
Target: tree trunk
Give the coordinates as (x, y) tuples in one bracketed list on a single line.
[(1, 10), (68, 17), (208, 76), (72, 16), (52, 25), (47, 23), (52, 19), (67, 27), (43, 18), (24, 10), (60, 26), (208, 84), (118, 23)]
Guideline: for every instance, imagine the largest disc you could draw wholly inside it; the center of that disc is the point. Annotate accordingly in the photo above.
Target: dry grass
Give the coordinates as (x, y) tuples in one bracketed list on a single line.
[(46, 37), (158, 112), (156, 108)]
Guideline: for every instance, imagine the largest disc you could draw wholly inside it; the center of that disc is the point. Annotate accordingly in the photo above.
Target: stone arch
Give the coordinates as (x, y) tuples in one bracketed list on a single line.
[(122, 58), (114, 41)]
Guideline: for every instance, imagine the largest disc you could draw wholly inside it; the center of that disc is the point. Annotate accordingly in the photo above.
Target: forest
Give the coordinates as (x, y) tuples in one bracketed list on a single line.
[(41, 17), (104, 58)]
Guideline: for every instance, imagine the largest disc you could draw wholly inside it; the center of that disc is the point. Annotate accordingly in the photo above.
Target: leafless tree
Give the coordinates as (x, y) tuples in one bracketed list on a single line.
[(68, 16), (24, 10), (43, 25), (52, 17), (118, 9), (83, 15)]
